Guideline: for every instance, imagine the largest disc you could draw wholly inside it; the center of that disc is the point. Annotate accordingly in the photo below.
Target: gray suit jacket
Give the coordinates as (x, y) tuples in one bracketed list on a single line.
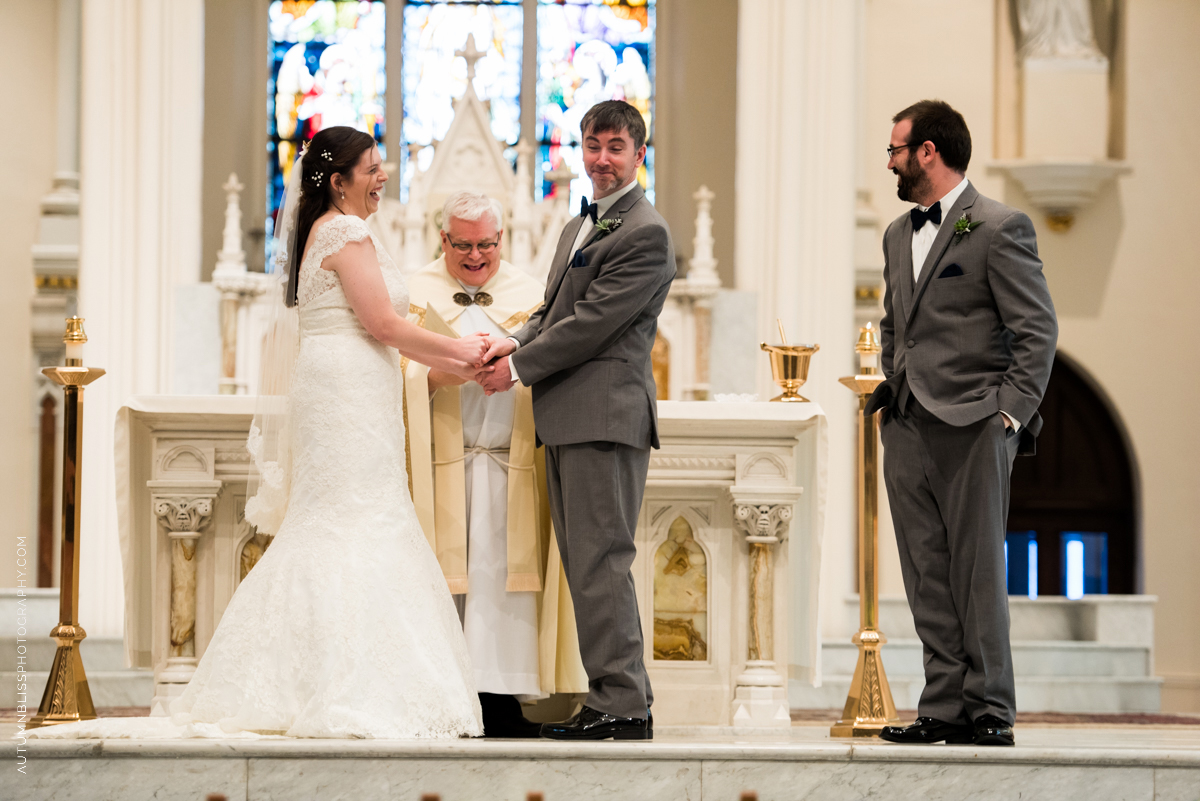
[(977, 332), (586, 351)]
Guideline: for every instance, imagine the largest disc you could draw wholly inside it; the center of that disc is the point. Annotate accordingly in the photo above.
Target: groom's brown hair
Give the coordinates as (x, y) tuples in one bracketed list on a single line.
[(936, 121), (615, 116)]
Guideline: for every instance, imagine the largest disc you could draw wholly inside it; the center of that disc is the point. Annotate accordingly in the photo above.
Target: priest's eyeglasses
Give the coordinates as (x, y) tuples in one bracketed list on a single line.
[(894, 149), (466, 247)]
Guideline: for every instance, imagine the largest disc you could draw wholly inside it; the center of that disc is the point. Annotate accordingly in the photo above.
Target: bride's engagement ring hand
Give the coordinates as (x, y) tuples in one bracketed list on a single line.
[(472, 347)]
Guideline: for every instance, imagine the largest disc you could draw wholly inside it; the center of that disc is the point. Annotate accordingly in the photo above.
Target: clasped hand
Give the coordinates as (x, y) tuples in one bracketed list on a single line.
[(479, 357)]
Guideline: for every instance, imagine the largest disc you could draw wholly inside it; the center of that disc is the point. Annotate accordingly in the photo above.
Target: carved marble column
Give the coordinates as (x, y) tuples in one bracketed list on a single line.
[(183, 515), (763, 517)]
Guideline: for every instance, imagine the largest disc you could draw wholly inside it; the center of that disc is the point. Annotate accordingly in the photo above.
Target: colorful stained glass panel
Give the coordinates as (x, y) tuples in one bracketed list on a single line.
[(433, 75), (589, 51), (327, 68)]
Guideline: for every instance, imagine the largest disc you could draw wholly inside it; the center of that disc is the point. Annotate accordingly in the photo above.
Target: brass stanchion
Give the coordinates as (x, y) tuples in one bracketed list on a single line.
[(869, 705), (67, 697)]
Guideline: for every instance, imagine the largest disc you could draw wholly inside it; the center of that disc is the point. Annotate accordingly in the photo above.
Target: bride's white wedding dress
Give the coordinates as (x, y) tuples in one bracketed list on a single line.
[(345, 627)]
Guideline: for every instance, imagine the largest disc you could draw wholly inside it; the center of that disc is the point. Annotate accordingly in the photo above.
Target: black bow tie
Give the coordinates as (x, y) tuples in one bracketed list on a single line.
[(480, 299), (934, 215), (588, 209)]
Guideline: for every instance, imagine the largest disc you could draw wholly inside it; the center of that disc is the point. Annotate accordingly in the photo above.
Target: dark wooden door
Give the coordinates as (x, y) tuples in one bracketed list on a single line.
[(1082, 479)]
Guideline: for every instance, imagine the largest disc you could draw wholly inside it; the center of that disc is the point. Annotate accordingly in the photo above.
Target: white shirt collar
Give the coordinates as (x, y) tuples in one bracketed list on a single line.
[(947, 200), (606, 203)]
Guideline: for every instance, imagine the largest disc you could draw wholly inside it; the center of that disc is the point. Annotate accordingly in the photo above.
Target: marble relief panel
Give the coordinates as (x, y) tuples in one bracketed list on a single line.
[(681, 596)]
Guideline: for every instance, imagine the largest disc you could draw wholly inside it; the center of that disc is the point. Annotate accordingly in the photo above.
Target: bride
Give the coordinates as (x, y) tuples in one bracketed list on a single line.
[(345, 627)]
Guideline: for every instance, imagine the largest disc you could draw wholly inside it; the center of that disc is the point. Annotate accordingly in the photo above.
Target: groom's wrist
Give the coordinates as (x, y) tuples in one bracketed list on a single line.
[(512, 370)]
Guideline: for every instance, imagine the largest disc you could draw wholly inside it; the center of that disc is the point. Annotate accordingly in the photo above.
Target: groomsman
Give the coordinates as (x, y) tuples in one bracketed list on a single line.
[(586, 354), (968, 340), (480, 486)]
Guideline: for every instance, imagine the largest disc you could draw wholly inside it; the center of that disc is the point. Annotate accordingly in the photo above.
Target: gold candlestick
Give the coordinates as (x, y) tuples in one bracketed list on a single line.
[(67, 697), (869, 705)]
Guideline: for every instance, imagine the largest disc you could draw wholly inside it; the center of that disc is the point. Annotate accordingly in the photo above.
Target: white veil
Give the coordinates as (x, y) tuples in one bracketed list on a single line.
[(270, 440)]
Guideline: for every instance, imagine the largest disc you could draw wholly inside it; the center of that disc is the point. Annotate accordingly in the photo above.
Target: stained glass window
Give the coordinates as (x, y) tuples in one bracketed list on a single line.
[(589, 51), (327, 68), (433, 75)]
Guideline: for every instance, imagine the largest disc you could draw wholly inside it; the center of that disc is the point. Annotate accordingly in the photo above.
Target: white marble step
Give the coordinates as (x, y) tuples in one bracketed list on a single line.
[(1081, 694), (108, 687), (1034, 694), (99, 653), (1094, 618), (1030, 658)]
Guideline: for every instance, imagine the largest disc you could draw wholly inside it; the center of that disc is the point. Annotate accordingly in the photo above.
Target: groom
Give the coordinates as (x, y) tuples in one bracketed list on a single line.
[(968, 339), (586, 355)]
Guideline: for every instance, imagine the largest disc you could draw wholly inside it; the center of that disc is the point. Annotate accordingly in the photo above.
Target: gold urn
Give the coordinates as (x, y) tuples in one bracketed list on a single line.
[(789, 369)]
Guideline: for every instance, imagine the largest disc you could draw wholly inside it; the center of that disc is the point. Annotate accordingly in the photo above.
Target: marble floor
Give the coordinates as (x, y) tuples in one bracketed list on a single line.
[(1054, 762)]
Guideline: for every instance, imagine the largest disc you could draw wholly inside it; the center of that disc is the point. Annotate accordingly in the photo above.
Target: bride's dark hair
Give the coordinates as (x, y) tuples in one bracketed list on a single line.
[(332, 150)]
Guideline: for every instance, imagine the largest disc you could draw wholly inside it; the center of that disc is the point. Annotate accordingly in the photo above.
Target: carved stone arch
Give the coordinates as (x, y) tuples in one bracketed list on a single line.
[(185, 462), (681, 586), (249, 548), (762, 468)]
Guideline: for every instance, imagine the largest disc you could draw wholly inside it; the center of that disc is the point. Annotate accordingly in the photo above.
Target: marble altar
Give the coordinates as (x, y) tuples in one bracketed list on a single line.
[(729, 543)]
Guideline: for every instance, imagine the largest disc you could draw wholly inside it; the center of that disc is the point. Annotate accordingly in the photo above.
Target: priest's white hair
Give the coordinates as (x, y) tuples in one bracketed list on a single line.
[(469, 207)]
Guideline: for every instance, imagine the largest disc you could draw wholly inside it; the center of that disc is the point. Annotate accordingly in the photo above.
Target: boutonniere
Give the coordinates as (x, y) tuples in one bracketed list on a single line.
[(606, 227), (964, 225)]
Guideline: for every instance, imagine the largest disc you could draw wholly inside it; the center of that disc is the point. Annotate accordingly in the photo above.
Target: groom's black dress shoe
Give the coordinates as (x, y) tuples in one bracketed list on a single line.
[(502, 717), (591, 724), (929, 730), (991, 730)]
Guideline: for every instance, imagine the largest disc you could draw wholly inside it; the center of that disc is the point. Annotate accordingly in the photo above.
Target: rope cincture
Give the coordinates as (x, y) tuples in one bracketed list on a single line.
[(492, 452)]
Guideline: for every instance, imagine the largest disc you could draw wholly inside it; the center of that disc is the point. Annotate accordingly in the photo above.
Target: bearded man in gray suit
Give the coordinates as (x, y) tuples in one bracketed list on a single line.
[(968, 341), (586, 355)]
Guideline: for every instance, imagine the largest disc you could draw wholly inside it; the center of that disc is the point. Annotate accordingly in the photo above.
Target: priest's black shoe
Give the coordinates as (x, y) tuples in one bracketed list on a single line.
[(991, 730), (929, 730), (591, 724), (502, 718)]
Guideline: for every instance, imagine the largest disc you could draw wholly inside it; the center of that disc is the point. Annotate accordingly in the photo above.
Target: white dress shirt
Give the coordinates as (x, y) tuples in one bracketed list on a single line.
[(922, 242), (602, 206)]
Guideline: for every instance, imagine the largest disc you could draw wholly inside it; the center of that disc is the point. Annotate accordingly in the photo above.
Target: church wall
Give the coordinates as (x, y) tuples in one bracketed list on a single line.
[(695, 136), (1124, 278), (235, 123), (31, 47)]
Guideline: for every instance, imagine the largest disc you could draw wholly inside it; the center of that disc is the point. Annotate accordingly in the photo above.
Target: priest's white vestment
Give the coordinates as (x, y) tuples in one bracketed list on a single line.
[(478, 484)]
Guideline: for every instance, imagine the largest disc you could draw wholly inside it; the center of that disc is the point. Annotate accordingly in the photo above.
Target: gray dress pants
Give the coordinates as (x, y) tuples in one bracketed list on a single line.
[(948, 487), (595, 493)]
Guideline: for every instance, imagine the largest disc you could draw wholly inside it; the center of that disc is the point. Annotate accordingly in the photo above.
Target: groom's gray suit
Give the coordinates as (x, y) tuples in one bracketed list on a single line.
[(586, 354), (973, 335)]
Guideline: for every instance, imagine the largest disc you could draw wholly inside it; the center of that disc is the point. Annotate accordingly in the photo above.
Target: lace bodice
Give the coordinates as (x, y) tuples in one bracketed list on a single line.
[(332, 236)]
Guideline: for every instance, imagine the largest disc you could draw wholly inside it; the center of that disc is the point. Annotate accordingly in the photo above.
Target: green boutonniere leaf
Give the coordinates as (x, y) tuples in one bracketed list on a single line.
[(964, 225), (605, 227)]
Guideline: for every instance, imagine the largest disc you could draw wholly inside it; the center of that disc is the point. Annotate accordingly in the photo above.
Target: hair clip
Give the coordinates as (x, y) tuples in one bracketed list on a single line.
[(317, 177), (325, 155)]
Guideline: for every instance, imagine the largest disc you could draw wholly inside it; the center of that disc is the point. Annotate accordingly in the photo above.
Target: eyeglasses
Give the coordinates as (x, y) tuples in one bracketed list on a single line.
[(466, 247), (893, 149)]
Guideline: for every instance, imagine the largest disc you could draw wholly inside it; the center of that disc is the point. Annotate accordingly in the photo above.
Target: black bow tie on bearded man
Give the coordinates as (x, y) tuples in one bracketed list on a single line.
[(588, 209), (934, 215)]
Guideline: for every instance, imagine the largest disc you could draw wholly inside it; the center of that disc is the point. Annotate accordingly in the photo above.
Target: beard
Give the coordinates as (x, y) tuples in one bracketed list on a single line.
[(913, 183)]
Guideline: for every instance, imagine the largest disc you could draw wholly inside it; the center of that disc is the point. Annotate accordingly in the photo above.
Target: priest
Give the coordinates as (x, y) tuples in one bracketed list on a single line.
[(478, 480)]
